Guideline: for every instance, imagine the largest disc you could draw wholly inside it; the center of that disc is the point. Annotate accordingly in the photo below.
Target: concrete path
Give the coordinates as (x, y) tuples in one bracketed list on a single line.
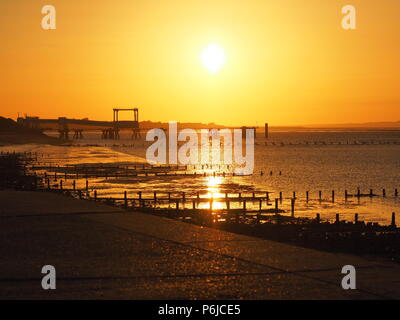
[(101, 252)]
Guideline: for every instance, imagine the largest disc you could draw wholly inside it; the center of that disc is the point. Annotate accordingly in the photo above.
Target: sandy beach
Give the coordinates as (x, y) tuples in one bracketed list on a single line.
[(102, 252)]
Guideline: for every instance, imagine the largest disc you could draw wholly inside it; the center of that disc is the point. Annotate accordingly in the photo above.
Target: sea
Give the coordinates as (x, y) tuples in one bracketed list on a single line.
[(288, 163)]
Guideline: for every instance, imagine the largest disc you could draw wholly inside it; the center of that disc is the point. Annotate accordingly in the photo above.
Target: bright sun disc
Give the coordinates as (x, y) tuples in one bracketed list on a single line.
[(213, 58)]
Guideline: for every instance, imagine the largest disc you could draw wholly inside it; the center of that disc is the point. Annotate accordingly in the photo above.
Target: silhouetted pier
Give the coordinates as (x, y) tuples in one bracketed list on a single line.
[(109, 129)]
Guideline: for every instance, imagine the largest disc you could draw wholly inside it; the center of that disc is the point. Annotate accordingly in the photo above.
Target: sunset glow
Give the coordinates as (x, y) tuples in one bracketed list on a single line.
[(183, 61)]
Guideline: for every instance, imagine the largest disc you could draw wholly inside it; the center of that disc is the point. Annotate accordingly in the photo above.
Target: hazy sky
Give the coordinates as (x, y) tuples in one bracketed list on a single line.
[(288, 62)]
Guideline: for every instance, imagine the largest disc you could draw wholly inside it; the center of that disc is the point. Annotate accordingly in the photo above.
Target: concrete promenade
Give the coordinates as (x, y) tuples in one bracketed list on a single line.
[(102, 252)]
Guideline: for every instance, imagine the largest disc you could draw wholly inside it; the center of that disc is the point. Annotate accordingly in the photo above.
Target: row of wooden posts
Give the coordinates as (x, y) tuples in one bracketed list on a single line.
[(280, 143), (210, 200), (49, 165), (254, 194), (67, 176), (347, 194), (183, 199), (356, 220)]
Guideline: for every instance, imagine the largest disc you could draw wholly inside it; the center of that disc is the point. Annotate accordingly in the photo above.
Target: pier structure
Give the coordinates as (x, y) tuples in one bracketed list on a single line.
[(110, 133), (78, 134), (63, 128), (64, 125), (135, 126)]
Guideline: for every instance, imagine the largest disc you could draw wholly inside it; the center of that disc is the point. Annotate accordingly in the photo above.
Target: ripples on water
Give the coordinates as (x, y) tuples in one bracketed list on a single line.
[(309, 161)]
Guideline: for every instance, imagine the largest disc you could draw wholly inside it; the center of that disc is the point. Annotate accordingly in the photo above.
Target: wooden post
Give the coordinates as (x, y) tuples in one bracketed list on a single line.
[(254, 195), (244, 206), (358, 193), (371, 193), (307, 196), (87, 185), (61, 185), (95, 194), (260, 204), (194, 204), (228, 205), (267, 195), (346, 195), (74, 185), (155, 196), (177, 205), (140, 195), (169, 196), (337, 218), (384, 193), (320, 195), (294, 194), (125, 200), (280, 196), (333, 195), (276, 205), (211, 203), (356, 218), (240, 194), (48, 184), (292, 205), (318, 218), (396, 194), (393, 219), (183, 196)]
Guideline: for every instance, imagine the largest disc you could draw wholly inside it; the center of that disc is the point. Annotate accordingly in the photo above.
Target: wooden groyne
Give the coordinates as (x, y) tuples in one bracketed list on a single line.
[(240, 203), (330, 143)]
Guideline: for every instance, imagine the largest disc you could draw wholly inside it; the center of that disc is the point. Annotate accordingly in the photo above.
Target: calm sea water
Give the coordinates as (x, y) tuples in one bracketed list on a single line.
[(290, 162)]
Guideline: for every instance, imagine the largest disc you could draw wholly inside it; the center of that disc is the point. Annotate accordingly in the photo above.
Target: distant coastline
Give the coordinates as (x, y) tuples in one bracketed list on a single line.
[(11, 133)]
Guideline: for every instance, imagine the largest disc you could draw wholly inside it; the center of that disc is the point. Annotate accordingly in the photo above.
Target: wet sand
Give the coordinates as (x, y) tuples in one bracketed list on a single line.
[(102, 252), (11, 139)]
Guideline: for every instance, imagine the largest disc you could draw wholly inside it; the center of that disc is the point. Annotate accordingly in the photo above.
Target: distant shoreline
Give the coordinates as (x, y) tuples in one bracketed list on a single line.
[(10, 138)]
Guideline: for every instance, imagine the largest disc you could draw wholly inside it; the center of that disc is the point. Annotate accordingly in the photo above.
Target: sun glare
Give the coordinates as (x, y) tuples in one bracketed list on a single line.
[(213, 58)]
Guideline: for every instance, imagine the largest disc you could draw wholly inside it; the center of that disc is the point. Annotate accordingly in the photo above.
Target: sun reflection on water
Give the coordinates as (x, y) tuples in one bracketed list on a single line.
[(214, 189)]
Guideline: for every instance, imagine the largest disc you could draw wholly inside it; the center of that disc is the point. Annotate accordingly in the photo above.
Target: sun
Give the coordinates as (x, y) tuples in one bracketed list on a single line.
[(213, 58)]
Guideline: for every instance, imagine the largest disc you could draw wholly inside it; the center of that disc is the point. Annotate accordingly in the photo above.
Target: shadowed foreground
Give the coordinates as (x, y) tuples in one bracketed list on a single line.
[(102, 252)]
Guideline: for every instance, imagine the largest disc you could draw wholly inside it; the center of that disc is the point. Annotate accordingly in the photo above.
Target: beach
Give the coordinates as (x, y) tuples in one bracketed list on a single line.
[(101, 252)]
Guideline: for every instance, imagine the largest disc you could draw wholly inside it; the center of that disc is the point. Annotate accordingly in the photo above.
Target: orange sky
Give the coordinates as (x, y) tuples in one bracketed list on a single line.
[(289, 62)]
